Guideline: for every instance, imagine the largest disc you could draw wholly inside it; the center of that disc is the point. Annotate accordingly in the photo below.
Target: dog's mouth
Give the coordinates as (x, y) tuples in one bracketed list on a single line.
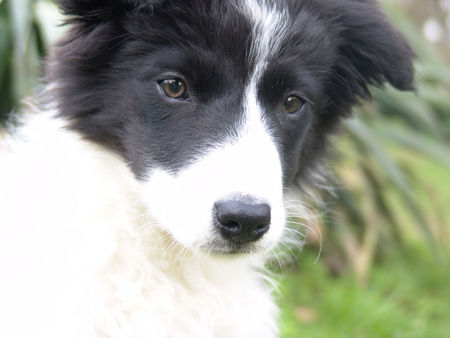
[(223, 247), (232, 250)]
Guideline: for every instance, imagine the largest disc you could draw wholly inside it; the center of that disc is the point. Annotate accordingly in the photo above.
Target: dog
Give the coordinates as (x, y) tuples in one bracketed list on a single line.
[(142, 192)]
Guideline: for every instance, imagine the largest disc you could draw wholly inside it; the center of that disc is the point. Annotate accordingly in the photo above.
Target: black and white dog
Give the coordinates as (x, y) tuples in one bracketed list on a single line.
[(142, 197)]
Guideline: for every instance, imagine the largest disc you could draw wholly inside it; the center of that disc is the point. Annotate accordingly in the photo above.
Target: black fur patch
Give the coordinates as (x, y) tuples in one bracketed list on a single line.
[(108, 66)]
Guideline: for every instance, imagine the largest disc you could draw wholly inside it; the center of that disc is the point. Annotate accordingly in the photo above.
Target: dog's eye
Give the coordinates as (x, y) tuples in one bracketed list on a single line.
[(292, 104), (174, 88)]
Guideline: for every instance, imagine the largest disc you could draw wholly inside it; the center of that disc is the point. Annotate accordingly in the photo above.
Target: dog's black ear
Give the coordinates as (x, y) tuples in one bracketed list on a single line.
[(371, 50), (97, 9)]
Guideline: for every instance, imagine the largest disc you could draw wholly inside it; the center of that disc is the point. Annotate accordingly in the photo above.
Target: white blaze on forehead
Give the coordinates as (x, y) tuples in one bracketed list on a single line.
[(269, 24)]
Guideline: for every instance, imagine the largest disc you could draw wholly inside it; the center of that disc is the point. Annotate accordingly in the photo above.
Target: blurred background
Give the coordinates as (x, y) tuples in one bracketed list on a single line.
[(376, 262)]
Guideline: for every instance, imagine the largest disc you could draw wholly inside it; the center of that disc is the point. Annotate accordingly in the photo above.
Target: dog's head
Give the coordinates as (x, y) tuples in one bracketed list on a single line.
[(218, 106)]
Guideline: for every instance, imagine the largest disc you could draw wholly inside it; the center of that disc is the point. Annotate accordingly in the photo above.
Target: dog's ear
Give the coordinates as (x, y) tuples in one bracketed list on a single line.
[(371, 50), (90, 10)]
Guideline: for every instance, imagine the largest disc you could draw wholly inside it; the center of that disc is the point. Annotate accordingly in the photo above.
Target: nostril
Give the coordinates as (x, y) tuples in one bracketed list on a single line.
[(242, 220), (231, 226), (261, 229)]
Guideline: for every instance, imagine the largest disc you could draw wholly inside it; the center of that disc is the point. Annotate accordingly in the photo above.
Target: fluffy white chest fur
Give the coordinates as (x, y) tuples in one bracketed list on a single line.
[(80, 256)]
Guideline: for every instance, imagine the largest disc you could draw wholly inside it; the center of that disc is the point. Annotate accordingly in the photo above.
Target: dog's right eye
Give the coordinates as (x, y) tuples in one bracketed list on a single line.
[(174, 88)]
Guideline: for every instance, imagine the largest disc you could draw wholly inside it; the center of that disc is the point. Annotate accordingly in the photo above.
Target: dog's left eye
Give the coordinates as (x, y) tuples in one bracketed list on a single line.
[(292, 104), (174, 88)]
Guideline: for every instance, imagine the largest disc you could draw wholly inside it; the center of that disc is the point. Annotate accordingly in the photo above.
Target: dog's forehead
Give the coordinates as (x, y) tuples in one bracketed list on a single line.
[(269, 24), (248, 32)]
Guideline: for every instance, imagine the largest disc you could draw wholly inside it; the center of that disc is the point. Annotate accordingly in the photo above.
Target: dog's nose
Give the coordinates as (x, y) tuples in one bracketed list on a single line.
[(242, 221)]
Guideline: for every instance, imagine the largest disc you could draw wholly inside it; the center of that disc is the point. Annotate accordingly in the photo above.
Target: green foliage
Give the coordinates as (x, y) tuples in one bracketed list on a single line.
[(393, 167), (407, 297), (21, 48)]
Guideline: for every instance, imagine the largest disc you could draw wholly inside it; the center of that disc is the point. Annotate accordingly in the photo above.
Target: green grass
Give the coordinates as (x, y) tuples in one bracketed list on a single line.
[(407, 296)]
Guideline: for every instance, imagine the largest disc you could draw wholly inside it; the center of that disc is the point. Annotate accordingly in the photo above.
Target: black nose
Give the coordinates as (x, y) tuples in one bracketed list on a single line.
[(242, 221)]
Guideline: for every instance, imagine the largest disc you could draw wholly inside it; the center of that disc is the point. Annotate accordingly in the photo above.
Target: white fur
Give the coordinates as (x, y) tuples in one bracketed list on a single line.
[(81, 256)]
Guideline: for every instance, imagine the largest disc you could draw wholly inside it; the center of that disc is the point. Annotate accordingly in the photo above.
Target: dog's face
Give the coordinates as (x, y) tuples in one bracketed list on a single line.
[(219, 106)]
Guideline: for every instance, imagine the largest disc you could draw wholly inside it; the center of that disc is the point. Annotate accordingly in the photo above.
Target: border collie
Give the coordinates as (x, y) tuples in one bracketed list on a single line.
[(142, 194)]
